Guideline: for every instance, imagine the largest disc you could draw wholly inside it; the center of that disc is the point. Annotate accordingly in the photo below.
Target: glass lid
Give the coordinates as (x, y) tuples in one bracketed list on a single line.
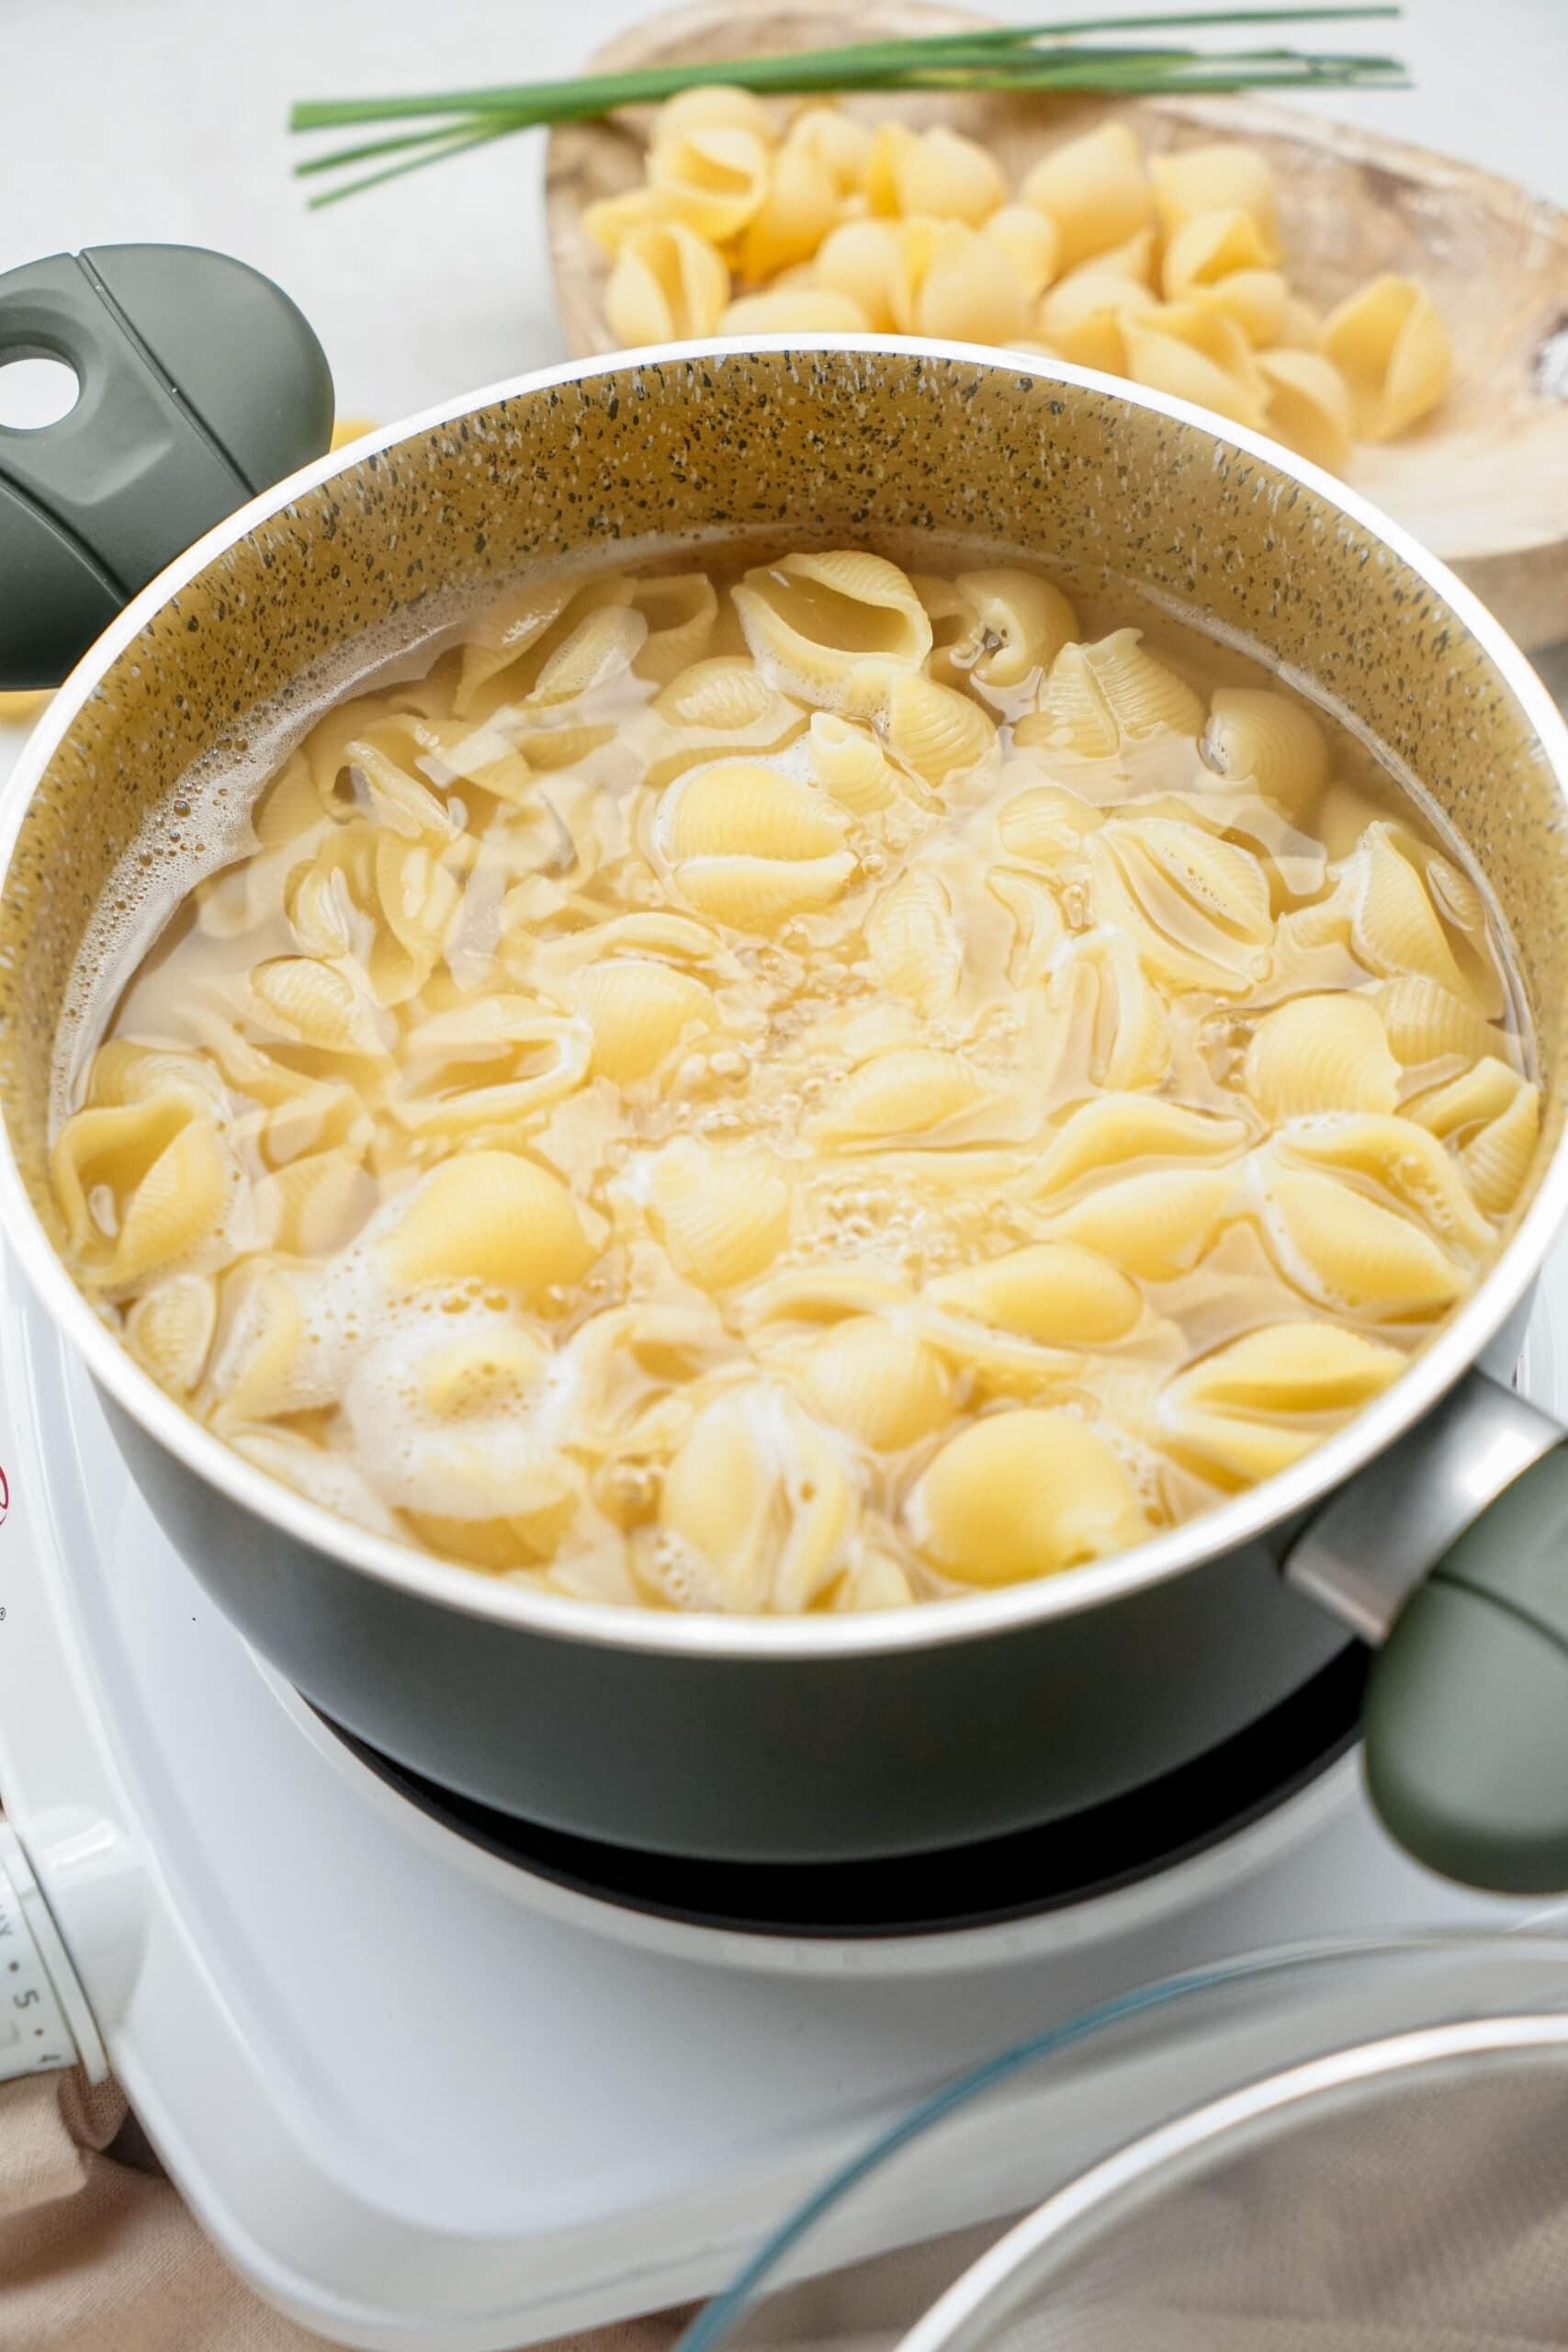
[(869, 2260)]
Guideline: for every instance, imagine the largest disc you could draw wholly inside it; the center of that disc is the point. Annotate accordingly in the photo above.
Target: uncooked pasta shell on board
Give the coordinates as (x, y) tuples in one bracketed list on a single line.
[(667, 283), (1308, 405), (1094, 188), (1391, 346), (1023, 1492)]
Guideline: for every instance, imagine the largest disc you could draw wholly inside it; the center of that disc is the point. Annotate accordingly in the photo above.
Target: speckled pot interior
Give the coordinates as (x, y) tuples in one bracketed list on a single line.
[(845, 446)]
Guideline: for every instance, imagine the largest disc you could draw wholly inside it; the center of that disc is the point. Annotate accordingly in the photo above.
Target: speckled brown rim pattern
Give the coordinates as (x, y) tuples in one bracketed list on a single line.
[(1436, 597)]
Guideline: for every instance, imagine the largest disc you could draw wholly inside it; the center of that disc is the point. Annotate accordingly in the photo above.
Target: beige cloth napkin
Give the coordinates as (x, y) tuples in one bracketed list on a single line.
[(100, 2255)]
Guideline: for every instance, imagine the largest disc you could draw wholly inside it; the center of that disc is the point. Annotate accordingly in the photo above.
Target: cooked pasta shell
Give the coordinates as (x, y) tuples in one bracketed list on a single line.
[(882, 1386), (912, 1092), (394, 796), (321, 913), (1259, 1405), (738, 808), (312, 1003), (935, 730), (714, 177), (1407, 1163), (1426, 1022), (314, 1205), (1257, 737), (1351, 1256), (937, 174), (1112, 1131), (1097, 696), (262, 1368), (1095, 190), (490, 1217), (721, 1216), (421, 898), (1048, 1291), (1197, 908), (1019, 625), (726, 693), (1156, 1226), (177, 1206), (875, 1581), (1129, 1034), (681, 609), (761, 893), (821, 1295), (827, 627), (170, 1328), (1046, 823), (1308, 405), (496, 1369), (1197, 353), (1500, 1158), (1394, 926), (851, 765), (603, 646), (1471, 1101), (1023, 1492), (914, 941), (323, 1476), (1191, 181), (800, 204), (291, 805), (112, 1147), (639, 1012), (1391, 346), (969, 290), (510, 629), (667, 284), (1321, 1053), (124, 1072), (761, 1497)]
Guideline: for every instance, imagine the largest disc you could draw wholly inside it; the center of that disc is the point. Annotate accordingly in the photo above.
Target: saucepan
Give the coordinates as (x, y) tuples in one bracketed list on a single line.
[(1434, 1525)]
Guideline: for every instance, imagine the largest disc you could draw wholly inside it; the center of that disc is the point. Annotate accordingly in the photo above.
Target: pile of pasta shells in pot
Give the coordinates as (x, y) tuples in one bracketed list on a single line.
[(801, 1084), (1168, 271)]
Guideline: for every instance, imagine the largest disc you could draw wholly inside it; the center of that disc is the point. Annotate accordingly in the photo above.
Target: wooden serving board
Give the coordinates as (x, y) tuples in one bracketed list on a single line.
[(1484, 481)]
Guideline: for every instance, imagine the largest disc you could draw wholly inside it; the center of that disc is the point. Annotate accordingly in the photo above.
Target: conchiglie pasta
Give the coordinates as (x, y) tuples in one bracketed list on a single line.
[(1392, 350), (667, 283), (1094, 190), (809, 1079)]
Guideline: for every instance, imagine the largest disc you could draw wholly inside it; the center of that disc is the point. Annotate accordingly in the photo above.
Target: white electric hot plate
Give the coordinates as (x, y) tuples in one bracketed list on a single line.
[(431, 2086)]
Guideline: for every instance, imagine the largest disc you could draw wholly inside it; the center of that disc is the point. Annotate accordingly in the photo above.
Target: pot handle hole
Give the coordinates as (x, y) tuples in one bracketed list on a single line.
[(1450, 1552), (198, 384)]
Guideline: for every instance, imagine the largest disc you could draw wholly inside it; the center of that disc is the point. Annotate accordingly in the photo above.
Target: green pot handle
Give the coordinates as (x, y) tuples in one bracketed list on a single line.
[(1450, 1551), (199, 383), (1467, 1710)]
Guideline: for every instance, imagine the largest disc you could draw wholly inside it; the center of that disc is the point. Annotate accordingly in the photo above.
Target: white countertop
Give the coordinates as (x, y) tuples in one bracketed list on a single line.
[(165, 119)]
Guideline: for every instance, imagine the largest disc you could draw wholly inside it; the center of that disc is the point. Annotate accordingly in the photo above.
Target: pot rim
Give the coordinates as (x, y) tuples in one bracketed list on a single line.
[(448, 1585)]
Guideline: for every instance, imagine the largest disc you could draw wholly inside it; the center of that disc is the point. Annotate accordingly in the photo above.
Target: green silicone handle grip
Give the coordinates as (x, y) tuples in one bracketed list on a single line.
[(199, 383), (1467, 1710)]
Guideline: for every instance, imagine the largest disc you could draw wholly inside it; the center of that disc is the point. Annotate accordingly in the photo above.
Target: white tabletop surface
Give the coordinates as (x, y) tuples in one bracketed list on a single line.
[(128, 120)]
